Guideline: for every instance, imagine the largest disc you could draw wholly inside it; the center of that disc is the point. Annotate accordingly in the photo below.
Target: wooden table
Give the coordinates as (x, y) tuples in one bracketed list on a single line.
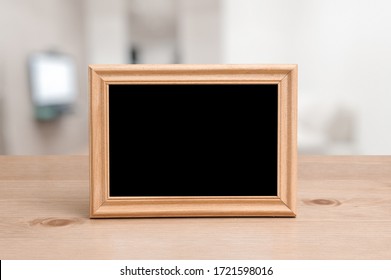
[(344, 212)]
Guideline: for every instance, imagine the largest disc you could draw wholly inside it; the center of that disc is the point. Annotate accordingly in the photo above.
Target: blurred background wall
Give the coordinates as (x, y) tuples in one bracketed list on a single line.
[(26, 27), (343, 49)]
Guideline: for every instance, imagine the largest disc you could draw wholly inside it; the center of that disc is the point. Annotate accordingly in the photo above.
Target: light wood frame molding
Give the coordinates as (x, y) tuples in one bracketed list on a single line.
[(104, 206)]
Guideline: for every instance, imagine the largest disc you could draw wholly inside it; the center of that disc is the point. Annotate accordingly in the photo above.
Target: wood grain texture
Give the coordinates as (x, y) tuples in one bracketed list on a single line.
[(344, 207), (104, 206)]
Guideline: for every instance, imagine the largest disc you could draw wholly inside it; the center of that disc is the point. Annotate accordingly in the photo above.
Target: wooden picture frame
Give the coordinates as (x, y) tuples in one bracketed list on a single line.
[(102, 205)]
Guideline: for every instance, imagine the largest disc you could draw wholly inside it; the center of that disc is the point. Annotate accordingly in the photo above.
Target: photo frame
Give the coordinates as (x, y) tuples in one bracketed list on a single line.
[(193, 140)]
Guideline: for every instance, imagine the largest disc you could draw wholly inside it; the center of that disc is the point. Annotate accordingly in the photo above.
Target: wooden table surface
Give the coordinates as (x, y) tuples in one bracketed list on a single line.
[(344, 212)]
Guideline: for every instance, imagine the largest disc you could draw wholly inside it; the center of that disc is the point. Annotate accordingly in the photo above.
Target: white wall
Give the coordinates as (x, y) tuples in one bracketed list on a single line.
[(106, 35), (200, 31), (90, 31), (343, 49), (39, 25), (153, 30)]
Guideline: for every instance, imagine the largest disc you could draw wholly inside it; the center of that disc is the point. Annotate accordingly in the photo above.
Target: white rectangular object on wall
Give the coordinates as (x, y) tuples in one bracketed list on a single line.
[(53, 79)]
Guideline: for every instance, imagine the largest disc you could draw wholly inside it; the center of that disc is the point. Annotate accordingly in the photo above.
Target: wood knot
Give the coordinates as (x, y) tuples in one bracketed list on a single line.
[(55, 222), (322, 202)]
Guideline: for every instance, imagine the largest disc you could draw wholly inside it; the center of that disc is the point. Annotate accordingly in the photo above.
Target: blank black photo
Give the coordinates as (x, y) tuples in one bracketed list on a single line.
[(193, 140)]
